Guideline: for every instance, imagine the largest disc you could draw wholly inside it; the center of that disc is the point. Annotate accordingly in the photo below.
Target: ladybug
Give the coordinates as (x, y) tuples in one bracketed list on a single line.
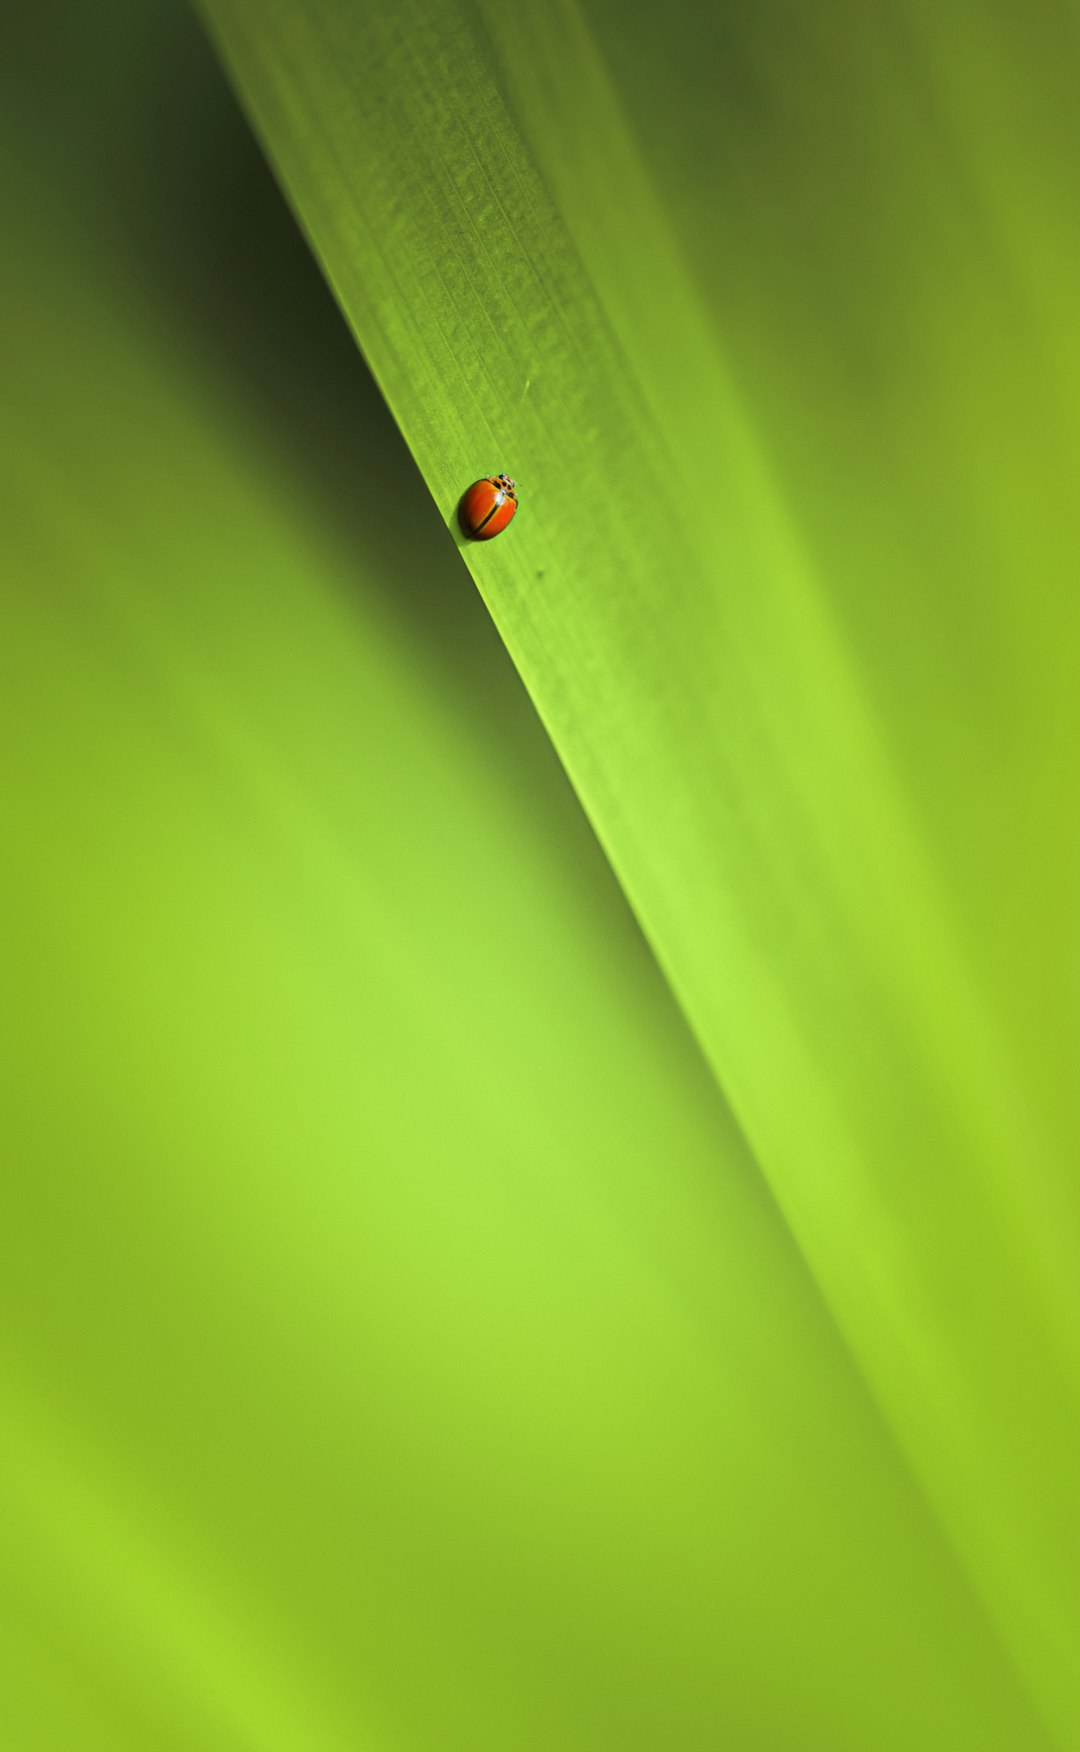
[(488, 507)]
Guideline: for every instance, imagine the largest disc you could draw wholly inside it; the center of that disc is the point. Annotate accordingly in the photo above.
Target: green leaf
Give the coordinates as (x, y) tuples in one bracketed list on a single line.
[(399, 1346), (760, 317)]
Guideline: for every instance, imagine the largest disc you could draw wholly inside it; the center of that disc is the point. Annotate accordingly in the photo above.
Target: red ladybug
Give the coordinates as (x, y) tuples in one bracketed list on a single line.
[(488, 507)]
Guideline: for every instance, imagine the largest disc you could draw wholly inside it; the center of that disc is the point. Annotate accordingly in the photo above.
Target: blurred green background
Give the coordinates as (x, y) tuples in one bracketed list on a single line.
[(403, 1344)]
